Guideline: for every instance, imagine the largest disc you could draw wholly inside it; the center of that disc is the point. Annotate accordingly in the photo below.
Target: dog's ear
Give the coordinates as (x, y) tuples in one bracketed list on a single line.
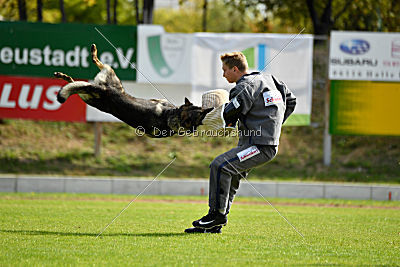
[(187, 102)]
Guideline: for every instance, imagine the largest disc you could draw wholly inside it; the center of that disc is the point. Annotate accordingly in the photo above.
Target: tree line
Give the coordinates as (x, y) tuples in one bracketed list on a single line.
[(317, 16)]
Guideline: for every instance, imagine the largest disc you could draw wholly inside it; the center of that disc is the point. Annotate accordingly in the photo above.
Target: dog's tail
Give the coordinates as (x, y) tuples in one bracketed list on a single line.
[(79, 87)]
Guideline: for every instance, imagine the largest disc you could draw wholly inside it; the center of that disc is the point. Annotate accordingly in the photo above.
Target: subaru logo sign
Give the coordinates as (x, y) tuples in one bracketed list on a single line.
[(355, 47)]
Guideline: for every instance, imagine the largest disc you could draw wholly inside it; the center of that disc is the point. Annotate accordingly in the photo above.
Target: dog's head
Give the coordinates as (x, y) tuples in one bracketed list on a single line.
[(189, 117)]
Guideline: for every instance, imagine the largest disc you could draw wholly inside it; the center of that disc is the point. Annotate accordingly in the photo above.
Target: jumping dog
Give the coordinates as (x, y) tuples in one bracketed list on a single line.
[(155, 117)]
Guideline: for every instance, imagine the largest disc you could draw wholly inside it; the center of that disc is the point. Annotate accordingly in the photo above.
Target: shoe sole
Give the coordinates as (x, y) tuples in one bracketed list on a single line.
[(196, 230), (202, 227)]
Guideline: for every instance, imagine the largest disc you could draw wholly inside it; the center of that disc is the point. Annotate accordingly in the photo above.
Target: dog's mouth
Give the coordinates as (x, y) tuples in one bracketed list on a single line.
[(188, 125), (180, 128), (190, 117)]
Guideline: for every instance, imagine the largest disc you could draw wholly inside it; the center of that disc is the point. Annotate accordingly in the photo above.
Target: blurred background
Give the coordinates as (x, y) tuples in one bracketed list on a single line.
[(315, 151)]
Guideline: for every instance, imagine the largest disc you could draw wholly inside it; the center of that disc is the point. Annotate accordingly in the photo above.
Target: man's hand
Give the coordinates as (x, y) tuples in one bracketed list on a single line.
[(231, 113)]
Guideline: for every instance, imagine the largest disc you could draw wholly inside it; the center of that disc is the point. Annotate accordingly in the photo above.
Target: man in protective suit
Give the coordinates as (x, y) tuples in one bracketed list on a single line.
[(261, 103)]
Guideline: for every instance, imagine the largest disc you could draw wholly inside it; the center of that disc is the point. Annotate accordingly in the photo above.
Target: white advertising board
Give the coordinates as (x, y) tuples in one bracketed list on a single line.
[(163, 57), (292, 65), (365, 56)]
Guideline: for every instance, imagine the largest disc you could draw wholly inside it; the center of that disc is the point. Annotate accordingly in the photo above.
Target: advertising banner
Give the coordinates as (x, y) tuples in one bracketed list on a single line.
[(39, 49), (364, 56), (164, 57), (292, 65), (179, 65), (194, 60), (36, 98), (364, 69), (31, 52)]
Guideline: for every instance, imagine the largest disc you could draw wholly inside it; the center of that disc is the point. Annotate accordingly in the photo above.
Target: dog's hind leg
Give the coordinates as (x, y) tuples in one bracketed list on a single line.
[(63, 76), (106, 77), (95, 59)]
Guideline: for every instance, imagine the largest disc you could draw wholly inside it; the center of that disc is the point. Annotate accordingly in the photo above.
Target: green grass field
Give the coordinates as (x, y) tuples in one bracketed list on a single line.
[(61, 229)]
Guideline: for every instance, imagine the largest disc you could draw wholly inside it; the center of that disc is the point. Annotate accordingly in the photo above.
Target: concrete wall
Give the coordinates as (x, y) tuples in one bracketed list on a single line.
[(195, 187)]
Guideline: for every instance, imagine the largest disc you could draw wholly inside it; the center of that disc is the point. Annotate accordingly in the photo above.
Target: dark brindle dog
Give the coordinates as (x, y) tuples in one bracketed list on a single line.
[(156, 117)]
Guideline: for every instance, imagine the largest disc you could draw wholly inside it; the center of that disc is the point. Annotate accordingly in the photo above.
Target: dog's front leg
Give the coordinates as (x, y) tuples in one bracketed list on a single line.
[(63, 76), (85, 90)]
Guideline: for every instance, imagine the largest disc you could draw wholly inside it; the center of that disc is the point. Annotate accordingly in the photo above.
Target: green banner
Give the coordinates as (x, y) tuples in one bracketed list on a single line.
[(39, 49)]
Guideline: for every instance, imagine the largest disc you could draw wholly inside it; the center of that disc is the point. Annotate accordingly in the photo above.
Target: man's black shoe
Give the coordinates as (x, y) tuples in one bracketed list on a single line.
[(212, 219), (195, 230)]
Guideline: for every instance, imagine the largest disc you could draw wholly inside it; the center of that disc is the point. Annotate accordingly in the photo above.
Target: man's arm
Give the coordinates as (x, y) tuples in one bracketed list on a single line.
[(239, 103), (242, 96), (289, 97), (290, 104)]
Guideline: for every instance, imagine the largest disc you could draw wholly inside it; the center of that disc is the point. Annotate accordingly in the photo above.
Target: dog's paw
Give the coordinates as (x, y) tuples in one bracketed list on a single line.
[(60, 98), (93, 48)]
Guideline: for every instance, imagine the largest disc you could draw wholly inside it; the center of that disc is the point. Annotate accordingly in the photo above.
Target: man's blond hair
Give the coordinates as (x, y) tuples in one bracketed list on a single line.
[(235, 59)]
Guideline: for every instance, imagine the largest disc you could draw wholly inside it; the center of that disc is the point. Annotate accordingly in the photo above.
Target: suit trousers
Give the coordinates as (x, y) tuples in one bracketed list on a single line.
[(227, 169)]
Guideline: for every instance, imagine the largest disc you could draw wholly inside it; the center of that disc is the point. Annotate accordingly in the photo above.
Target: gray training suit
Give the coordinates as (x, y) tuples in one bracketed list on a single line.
[(266, 103)]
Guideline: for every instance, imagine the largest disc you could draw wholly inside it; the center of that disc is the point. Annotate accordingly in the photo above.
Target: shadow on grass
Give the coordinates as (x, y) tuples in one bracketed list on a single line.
[(39, 232)]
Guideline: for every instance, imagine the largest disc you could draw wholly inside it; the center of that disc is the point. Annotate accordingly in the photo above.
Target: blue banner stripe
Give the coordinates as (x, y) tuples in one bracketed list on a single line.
[(261, 57)]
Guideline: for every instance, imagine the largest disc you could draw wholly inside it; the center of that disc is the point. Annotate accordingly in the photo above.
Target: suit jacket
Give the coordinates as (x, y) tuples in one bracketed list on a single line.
[(266, 103)]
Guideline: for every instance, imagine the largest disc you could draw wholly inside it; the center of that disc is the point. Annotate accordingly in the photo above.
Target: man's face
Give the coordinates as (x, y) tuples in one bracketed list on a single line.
[(230, 74)]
